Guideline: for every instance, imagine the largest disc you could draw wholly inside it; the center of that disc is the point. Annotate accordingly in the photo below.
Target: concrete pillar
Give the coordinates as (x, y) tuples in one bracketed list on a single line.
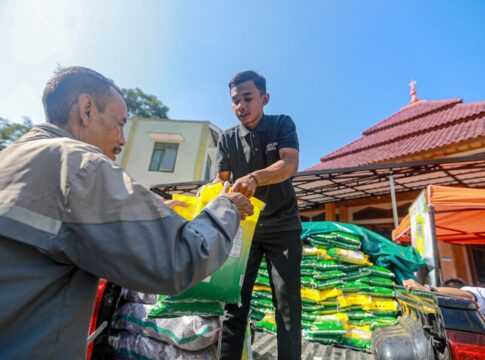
[(343, 212)]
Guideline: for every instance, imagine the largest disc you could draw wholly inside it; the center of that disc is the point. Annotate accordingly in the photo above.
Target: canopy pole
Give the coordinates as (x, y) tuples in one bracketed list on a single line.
[(434, 242), (393, 200)]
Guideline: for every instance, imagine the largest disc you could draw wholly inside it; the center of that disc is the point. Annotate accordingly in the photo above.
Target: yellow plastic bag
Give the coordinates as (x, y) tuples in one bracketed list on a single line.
[(268, 323), (381, 305), (317, 252), (223, 285), (330, 293), (319, 295), (210, 191), (187, 212), (348, 300), (349, 256), (328, 326), (261, 288), (339, 316), (206, 194), (358, 337)]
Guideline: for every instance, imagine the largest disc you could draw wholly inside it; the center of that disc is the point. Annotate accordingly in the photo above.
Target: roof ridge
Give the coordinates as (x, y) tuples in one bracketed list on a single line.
[(407, 136), (376, 128)]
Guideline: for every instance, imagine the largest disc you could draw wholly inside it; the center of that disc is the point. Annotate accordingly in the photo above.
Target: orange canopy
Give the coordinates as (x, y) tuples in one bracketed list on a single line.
[(459, 215), (403, 232)]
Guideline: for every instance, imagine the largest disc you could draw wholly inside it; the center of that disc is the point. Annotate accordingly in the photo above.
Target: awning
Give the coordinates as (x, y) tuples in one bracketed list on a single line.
[(459, 215), (403, 232), (315, 188)]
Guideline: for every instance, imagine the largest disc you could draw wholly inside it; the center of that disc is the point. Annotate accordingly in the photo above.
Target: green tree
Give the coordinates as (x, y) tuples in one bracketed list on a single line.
[(11, 131), (144, 105)]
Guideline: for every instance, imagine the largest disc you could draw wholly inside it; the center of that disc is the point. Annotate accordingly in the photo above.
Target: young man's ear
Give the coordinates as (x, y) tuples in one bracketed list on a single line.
[(265, 97), (86, 108)]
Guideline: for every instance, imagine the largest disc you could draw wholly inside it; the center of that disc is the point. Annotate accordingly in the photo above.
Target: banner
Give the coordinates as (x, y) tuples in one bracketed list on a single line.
[(421, 236)]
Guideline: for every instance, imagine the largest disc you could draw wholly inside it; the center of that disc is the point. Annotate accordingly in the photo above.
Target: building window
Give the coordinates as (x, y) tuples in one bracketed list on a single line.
[(208, 167), (163, 157)]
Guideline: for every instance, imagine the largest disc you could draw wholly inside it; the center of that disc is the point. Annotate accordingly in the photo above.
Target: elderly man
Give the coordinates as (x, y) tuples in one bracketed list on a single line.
[(69, 215)]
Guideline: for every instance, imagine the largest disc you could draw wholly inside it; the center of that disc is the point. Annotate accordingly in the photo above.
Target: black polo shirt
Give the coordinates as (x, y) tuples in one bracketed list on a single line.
[(241, 151)]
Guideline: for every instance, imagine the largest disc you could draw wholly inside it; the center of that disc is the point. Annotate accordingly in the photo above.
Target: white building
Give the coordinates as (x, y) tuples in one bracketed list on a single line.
[(166, 151)]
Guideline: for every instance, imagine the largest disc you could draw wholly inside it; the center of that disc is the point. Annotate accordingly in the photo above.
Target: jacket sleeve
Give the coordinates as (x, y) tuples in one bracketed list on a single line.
[(116, 229)]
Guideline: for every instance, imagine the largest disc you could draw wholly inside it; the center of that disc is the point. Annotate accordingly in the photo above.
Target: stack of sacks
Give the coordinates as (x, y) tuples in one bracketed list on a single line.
[(344, 296), (334, 261), (262, 311), (137, 334)]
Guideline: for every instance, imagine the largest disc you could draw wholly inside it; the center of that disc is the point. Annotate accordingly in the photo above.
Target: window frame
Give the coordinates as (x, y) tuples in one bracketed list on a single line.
[(154, 150)]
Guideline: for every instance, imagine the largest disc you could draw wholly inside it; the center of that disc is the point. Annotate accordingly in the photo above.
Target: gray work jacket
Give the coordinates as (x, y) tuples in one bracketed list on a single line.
[(68, 216)]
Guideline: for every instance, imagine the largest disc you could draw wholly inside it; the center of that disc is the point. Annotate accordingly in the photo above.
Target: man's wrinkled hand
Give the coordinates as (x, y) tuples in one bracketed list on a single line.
[(242, 203), (174, 203), (246, 185)]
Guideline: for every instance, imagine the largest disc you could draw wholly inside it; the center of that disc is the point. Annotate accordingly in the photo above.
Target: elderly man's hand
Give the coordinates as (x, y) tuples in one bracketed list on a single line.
[(411, 284), (242, 203), (174, 203)]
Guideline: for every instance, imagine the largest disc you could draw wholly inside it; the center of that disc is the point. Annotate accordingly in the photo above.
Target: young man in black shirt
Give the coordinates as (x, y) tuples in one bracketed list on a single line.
[(260, 155)]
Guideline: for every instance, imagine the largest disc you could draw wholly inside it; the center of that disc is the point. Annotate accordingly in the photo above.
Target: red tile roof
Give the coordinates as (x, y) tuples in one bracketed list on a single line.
[(416, 128)]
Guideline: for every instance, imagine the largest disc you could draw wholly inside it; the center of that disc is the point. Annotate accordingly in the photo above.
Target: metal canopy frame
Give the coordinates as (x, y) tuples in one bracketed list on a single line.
[(315, 188)]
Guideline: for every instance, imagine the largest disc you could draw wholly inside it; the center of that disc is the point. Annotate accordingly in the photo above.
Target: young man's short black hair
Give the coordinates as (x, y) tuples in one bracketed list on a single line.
[(454, 282), (243, 76), (62, 91)]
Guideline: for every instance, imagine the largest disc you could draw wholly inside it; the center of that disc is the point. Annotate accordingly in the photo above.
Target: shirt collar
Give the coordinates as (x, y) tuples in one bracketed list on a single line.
[(262, 126)]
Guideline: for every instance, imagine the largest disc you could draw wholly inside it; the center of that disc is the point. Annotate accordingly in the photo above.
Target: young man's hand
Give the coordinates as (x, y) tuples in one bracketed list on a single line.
[(246, 185)]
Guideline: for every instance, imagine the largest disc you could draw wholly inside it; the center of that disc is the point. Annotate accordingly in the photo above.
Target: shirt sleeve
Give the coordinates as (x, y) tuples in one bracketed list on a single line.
[(288, 137), (478, 293), (222, 159), (118, 230)]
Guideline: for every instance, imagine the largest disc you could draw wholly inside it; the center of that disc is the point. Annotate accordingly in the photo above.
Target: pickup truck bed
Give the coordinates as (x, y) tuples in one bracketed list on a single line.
[(423, 333), (420, 334), (264, 348)]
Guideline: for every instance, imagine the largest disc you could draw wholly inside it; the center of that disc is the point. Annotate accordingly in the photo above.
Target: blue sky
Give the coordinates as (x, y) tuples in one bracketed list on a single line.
[(337, 67)]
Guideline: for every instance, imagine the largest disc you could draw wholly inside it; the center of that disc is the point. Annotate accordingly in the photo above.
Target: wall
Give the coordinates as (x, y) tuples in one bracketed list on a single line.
[(191, 155), (454, 261)]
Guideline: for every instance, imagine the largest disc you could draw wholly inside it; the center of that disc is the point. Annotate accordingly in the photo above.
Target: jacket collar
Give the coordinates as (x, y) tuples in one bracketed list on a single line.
[(53, 130), (45, 131)]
